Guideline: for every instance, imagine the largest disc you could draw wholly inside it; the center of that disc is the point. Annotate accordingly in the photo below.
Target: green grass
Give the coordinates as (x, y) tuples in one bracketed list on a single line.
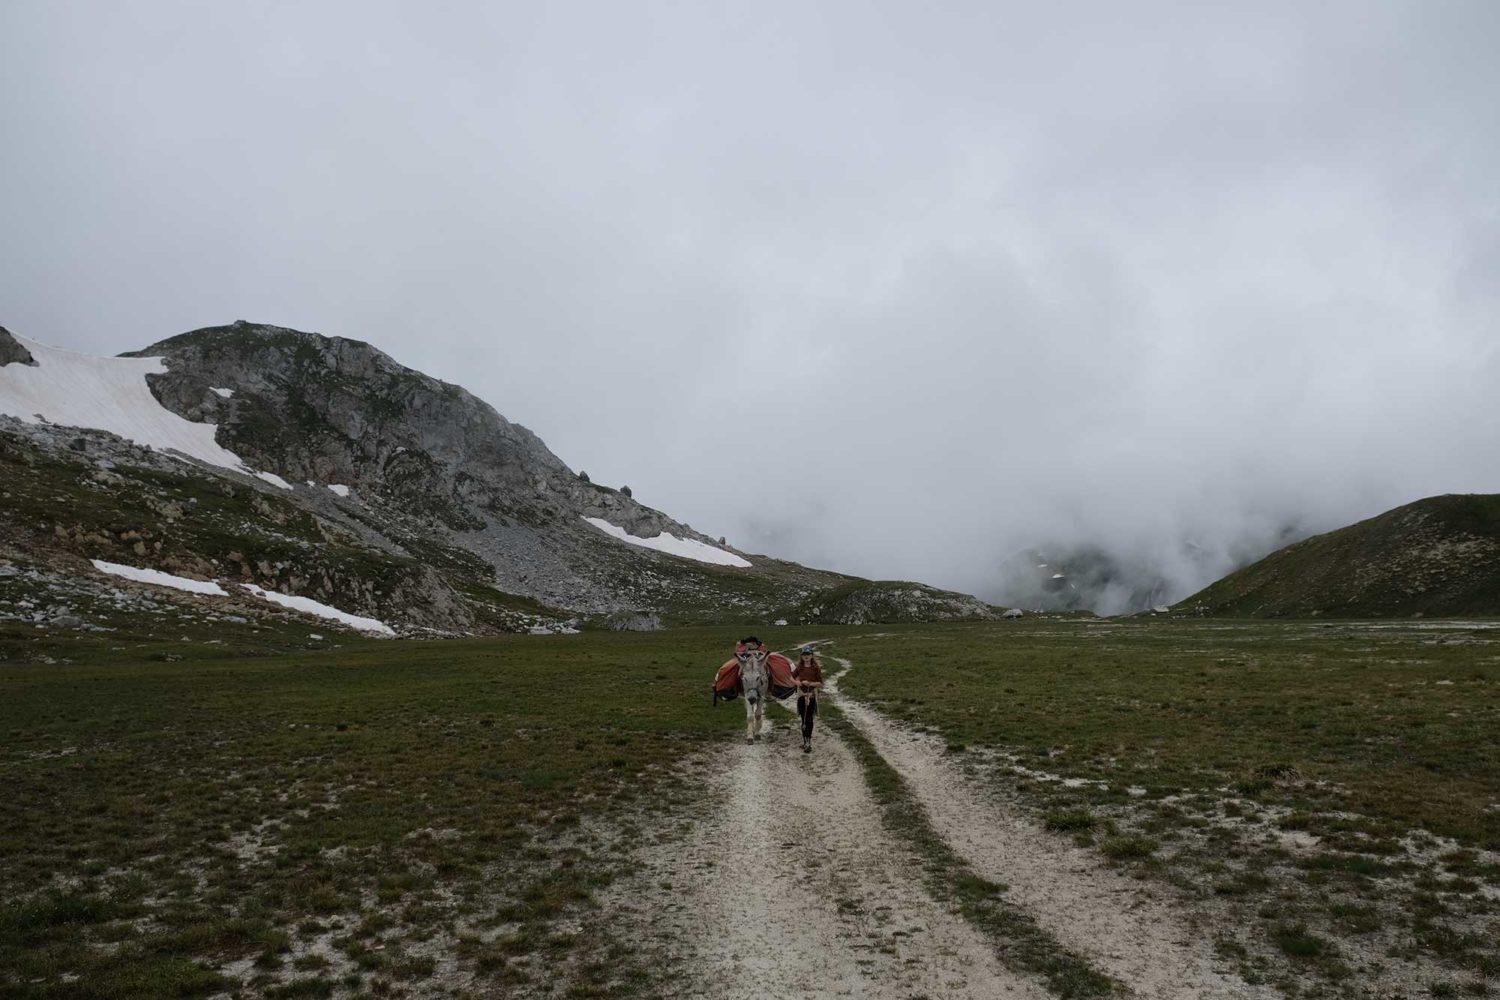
[(164, 820), (1438, 557), (1297, 941), (1193, 738), (400, 818), (1323, 718), (1070, 820), (1128, 847)]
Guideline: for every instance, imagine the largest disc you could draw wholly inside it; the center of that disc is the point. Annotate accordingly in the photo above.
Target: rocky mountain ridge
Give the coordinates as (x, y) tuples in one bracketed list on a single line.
[(380, 491)]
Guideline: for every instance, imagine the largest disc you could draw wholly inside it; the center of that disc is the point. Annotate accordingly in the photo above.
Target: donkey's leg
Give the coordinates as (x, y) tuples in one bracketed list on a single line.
[(749, 718), (760, 715)]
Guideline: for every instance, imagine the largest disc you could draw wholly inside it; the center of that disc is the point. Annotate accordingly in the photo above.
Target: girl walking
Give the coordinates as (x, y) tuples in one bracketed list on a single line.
[(808, 673)]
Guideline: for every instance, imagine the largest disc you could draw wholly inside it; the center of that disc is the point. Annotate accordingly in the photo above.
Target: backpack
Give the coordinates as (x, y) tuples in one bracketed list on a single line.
[(779, 669), (727, 685)]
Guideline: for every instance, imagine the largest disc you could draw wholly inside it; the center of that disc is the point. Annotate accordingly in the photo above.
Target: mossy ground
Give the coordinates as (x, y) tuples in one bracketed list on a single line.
[(1334, 789), (385, 818), (436, 818)]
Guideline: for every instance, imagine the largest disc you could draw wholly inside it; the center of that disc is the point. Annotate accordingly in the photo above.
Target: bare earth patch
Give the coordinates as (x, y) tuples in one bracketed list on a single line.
[(789, 886), (1115, 922)]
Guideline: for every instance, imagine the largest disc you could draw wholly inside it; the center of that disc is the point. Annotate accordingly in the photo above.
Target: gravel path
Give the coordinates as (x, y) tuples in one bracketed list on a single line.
[(1113, 921), (790, 887)]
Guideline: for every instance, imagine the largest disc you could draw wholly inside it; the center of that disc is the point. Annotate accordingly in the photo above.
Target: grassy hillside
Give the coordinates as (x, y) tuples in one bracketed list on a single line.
[(1435, 557), (62, 509)]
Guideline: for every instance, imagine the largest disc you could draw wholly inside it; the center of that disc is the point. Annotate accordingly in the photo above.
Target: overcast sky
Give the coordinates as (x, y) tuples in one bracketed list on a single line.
[(891, 288)]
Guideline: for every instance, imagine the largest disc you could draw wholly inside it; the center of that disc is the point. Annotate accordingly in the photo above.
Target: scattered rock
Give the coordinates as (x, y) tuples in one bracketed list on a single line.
[(633, 621), (11, 351)]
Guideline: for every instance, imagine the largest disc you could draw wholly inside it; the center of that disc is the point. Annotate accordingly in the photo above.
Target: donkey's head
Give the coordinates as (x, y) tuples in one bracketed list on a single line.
[(752, 658)]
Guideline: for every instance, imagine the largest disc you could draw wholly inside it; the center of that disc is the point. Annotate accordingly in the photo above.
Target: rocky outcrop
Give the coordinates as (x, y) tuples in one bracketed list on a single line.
[(334, 410), (625, 621), (865, 602), (12, 352), (400, 497)]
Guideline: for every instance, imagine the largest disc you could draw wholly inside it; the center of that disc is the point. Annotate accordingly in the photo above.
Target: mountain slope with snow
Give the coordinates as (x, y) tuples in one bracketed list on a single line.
[(686, 548), (378, 492), (109, 394)]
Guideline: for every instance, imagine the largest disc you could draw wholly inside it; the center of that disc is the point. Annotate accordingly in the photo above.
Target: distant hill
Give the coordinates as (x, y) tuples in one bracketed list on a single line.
[(249, 458), (1434, 557)]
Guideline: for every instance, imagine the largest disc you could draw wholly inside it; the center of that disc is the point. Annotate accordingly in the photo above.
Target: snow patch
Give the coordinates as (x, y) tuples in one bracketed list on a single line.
[(339, 489), (225, 393), (160, 579), (687, 548), (109, 394), (273, 479), (311, 607)]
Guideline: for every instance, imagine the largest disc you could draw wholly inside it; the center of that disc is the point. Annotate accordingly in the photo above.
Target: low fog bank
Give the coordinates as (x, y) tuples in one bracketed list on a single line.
[(1142, 473), (1048, 549), (973, 406)]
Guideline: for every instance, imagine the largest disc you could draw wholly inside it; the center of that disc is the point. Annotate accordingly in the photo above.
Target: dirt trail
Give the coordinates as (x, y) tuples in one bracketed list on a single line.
[(790, 887), (1101, 915)]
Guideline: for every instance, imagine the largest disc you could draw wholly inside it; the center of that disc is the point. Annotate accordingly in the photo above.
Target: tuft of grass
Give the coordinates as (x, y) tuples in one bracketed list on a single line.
[(1356, 918), (1128, 847), (1069, 820), (1352, 864), (1296, 940)]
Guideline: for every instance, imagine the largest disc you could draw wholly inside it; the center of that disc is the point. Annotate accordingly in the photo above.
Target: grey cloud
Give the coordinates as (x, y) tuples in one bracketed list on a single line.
[(897, 290)]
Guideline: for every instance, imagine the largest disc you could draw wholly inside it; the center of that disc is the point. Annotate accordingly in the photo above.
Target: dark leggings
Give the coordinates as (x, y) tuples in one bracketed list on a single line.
[(807, 710)]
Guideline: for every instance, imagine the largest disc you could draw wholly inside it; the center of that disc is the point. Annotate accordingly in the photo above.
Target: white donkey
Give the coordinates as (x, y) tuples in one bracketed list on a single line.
[(757, 684)]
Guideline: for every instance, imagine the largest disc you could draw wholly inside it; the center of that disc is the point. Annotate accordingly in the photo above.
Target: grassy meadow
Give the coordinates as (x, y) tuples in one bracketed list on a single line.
[(1331, 790), (377, 818), (386, 818)]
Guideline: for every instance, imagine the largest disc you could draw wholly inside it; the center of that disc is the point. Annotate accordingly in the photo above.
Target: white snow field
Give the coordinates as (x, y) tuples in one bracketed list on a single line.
[(309, 606), (273, 479), (109, 394), (687, 548), (339, 489), (157, 577)]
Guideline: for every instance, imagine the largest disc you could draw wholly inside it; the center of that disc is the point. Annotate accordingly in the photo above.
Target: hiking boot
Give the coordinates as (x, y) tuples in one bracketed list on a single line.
[(806, 745)]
